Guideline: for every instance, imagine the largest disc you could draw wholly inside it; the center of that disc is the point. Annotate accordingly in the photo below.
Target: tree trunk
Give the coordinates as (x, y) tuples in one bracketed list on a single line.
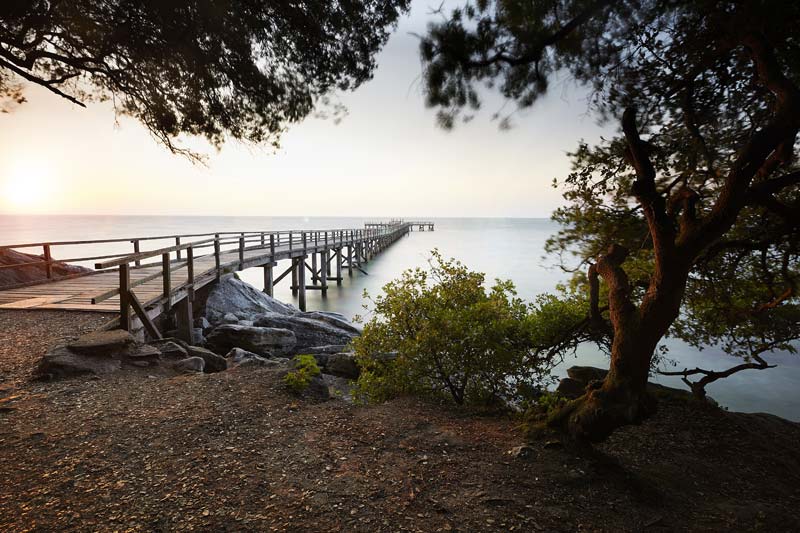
[(622, 399)]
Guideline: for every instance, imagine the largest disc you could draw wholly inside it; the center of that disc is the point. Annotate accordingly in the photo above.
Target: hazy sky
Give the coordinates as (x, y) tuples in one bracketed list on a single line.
[(386, 158)]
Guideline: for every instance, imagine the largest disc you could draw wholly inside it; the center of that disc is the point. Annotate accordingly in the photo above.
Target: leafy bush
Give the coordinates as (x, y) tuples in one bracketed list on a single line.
[(440, 333), (305, 369)]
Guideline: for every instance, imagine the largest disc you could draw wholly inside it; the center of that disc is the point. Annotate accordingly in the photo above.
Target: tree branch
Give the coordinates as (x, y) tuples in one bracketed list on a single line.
[(38, 81)]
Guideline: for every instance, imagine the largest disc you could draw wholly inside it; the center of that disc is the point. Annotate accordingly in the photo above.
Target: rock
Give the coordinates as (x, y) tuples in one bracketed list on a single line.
[(336, 320), (170, 348), (238, 357), (62, 361), (309, 332), (338, 387), (202, 323), (322, 359), (103, 343), (232, 295), (326, 349), (571, 388), (325, 387), (197, 336), (142, 351), (263, 341), (34, 272), (317, 389), (213, 362), (245, 322), (343, 365), (586, 374), (230, 318), (190, 365), (521, 452)]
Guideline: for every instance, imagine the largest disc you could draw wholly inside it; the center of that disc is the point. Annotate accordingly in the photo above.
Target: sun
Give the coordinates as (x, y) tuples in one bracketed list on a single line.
[(26, 184)]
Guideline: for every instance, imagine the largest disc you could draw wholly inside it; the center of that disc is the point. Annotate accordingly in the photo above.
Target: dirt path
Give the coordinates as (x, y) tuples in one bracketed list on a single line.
[(234, 452)]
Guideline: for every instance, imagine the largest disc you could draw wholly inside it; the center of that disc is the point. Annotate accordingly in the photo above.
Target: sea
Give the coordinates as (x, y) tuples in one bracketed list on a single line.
[(502, 248)]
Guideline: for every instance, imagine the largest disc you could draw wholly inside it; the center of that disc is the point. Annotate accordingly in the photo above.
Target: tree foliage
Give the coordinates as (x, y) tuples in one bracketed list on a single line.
[(440, 333), (243, 69), (686, 223)]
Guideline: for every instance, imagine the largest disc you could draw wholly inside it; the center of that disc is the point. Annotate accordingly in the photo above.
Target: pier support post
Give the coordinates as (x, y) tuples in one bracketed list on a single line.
[(294, 275), (314, 270), (268, 280), (350, 260), (184, 319), (124, 296), (301, 282), (323, 274), (339, 266)]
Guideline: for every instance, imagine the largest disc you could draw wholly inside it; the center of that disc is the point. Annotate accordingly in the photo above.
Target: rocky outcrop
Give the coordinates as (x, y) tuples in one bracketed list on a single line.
[(244, 301), (308, 331), (264, 341), (33, 272)]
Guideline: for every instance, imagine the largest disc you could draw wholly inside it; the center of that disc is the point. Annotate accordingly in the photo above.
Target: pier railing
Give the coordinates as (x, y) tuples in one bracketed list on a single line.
[(169, 275)]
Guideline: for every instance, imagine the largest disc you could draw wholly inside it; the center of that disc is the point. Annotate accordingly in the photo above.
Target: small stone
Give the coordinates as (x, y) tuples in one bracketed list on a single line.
[(521, 452)]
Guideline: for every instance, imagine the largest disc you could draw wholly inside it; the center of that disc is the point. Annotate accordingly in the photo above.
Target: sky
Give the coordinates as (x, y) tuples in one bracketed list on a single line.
[(386, 158)]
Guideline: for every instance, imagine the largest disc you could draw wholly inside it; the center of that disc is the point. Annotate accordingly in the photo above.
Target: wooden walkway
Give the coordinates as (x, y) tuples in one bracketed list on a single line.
[(141, 289)]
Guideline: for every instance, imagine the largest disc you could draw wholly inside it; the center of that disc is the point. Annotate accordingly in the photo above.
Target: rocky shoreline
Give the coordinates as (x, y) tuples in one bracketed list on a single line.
[(238, 326)]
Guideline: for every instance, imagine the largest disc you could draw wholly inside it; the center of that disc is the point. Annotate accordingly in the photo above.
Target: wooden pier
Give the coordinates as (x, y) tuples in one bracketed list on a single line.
[(144, 285)]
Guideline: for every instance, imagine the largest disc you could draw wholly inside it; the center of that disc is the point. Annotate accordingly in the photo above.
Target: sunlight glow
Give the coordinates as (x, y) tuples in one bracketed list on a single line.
[(26, 184)]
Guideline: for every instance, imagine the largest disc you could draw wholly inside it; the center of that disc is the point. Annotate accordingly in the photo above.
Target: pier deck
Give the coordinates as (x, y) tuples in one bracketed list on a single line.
[(140, 291)]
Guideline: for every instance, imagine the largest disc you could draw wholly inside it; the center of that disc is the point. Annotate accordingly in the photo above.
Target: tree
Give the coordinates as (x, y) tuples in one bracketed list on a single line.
[(243, 69), (440, 333), (687, 222)]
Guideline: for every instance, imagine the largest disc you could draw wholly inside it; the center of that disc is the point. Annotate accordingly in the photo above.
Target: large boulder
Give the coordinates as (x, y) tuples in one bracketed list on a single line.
[(308, 331), (586, 374), (99, 352), (265, 341), (62, 362), (571, 388), (103, 343), (213, 362), (232, 295)]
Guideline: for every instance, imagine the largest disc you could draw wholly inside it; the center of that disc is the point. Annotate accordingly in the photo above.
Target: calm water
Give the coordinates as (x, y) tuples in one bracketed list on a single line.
[(502, 248)]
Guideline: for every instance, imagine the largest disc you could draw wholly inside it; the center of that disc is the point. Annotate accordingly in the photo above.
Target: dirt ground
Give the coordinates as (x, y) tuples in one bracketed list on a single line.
[(233, 451)]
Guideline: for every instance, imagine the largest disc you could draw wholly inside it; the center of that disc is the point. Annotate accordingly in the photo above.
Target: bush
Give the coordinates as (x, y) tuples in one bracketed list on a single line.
[(453, 339), (305, 369)]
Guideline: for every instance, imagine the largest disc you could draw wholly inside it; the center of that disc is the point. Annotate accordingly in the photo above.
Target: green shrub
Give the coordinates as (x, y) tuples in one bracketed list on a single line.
[(453, 339), (305, 369), (551, 401)]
